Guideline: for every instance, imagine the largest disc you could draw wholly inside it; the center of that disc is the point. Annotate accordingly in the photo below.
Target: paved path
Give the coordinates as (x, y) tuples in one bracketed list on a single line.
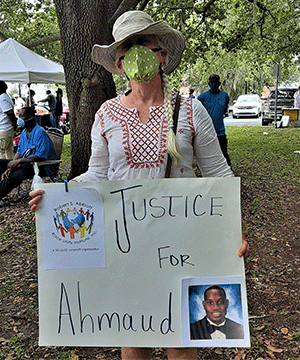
[(229, 121)]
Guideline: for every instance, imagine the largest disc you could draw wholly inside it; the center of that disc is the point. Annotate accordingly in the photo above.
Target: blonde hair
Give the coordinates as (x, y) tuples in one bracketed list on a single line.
[(172, 144)]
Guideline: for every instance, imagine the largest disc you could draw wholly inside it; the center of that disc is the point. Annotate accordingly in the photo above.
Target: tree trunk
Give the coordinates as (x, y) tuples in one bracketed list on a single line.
[(83, 24)]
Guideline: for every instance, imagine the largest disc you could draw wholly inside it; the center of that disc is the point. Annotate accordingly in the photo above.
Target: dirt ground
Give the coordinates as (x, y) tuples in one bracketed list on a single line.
[(271, 214)]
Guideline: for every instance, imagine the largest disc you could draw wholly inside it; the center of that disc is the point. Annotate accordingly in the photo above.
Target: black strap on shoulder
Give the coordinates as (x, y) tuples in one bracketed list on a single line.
[(175, 121)]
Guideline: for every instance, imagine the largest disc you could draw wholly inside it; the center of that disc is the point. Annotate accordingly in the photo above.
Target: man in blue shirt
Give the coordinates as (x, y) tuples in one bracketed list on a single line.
[(35, 145), (216, 103)]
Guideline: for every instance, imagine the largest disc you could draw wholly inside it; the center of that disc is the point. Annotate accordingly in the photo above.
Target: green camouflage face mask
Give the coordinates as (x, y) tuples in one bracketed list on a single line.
[(141, 64)]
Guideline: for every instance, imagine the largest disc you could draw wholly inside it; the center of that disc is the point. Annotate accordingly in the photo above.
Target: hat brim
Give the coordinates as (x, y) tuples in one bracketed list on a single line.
[(172, 40)]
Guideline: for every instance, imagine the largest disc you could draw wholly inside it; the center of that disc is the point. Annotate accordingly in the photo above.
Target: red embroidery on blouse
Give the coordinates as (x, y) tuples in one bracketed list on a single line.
[(144, 144), (189, 114), (101, 117)]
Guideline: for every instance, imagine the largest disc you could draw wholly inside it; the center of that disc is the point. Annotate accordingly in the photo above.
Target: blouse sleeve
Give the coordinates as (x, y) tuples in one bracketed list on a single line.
[(208, 154), (99, 161)]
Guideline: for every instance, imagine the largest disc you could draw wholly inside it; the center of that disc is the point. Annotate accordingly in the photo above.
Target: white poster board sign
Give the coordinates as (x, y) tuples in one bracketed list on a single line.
[(116, 259)]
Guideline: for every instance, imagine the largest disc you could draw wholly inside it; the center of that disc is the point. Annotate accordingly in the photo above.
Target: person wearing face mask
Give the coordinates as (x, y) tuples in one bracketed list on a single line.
[(34, 145), (134, 133), (216, 103)]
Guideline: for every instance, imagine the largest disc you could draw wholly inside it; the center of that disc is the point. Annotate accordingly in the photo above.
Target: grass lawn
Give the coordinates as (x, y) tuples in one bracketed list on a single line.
[(267, 150), (265, 160), (272, 150)]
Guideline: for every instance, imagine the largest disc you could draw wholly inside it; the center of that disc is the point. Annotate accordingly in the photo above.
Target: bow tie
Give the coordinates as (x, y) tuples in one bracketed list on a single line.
[(219, 328)]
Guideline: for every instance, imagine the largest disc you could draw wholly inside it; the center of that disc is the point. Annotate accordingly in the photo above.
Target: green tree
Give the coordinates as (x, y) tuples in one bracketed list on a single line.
[(33, 25), (83, 24), (239, 39), (245, 41)]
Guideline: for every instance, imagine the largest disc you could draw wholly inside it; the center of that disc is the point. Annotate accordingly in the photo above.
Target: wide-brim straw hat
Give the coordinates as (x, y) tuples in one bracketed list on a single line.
[(140, 23)]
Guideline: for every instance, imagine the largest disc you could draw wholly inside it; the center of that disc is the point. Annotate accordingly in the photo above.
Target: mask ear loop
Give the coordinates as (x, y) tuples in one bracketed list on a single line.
[(128, 91), (161, 72)]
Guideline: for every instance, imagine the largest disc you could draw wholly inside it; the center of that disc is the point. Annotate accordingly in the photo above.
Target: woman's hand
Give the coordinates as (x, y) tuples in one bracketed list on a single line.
[(36, 198), (244, 249)]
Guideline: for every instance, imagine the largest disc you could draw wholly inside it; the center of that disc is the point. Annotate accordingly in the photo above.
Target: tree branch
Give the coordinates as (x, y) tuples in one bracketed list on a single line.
[(113, 6), (143, 4), (124, 6), (206, 9), (43, 41), (263, 8), (2, 37)]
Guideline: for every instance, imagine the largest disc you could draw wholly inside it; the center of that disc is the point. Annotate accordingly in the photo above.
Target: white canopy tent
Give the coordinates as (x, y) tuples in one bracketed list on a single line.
[(21, 65)]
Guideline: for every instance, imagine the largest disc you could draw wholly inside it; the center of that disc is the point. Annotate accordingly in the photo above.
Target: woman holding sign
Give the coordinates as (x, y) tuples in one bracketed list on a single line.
[(134, 133)]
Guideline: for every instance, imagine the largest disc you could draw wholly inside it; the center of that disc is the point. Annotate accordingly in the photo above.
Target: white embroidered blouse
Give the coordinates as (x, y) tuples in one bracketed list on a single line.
[(124, 148)]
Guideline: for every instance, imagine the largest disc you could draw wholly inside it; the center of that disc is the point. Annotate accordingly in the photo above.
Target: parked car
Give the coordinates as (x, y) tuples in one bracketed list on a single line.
[(41, 109), (247, 105), (43, 115), (285, 99)]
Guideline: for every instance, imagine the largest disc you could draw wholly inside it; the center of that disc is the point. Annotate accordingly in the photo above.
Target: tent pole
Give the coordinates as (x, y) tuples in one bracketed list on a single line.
[(29, 99)]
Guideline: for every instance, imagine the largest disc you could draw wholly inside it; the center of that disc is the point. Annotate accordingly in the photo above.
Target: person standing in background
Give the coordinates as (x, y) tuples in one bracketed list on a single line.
[(297, 98), (191, 93), (59, 104), (19, 103), (8, 123), (30, 96), (216, 103), (52, 107)]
